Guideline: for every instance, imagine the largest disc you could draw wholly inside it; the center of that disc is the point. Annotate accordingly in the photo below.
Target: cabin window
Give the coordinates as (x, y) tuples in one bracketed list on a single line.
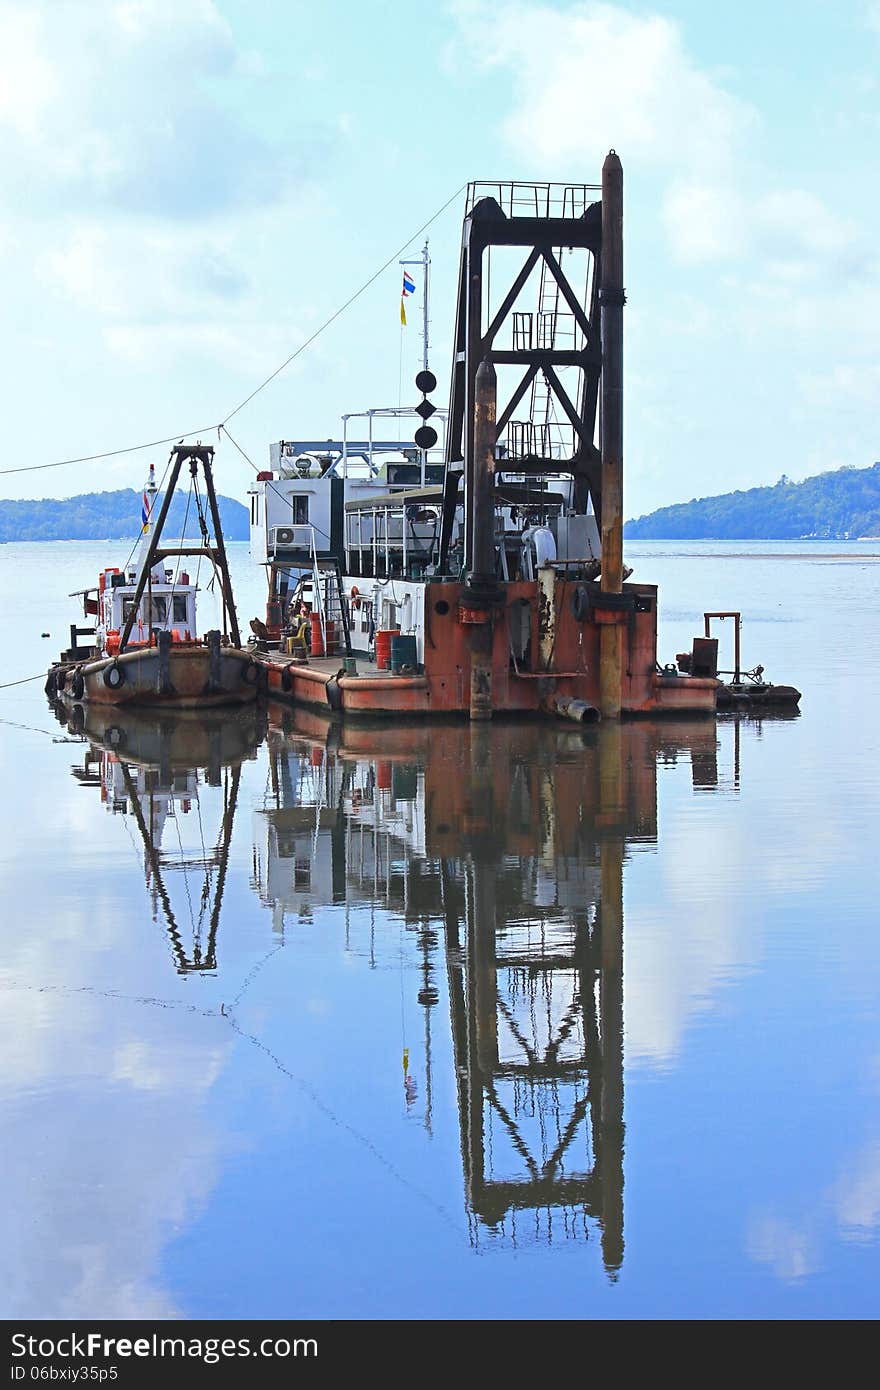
[(127, 608), (300, 504), (160, 609), (253, 511), (179, 607)]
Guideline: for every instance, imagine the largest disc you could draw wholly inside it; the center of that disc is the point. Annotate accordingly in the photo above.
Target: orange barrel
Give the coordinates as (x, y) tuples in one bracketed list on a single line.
[(383, 773), (317, 647), (383, 647)]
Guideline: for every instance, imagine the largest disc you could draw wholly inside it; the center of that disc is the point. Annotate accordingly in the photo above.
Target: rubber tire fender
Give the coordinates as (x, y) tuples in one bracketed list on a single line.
[(77, 685), (287, 680), (580, 603), (114, 676)]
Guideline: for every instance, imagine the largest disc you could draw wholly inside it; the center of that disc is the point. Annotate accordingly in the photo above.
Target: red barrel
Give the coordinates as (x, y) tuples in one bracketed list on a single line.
[(317, 645), (383, 647)]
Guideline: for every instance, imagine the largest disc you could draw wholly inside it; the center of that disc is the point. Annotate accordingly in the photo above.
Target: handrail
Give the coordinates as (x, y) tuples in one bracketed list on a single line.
[(316, 587)]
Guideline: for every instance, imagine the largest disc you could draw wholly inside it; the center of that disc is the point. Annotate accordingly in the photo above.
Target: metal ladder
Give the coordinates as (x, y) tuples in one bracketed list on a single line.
[(551, 327), (329, 600)]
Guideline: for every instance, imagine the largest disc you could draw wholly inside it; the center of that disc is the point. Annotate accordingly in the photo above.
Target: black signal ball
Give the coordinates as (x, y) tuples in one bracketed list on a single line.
[(426, 381), (426, 437)]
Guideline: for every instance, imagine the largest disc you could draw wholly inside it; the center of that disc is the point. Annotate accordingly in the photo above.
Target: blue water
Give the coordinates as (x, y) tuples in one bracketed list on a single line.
[(528, 1022)]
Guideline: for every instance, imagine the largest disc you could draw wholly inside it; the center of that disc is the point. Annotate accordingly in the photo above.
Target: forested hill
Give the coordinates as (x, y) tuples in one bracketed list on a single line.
[(98, 516), (840, 506)]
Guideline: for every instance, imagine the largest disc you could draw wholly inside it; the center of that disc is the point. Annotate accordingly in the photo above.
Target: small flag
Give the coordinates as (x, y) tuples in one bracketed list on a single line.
[(146, 504), (402, 312), (409, 284)]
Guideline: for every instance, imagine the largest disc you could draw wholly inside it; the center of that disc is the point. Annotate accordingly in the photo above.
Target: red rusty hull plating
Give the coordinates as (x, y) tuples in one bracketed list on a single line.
[(572, 671)]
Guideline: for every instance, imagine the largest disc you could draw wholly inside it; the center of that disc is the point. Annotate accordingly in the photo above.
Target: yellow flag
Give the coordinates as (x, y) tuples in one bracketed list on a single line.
[(402, 313)]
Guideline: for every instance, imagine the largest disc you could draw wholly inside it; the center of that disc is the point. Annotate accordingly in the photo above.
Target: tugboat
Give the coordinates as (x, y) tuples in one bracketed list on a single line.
[(145, 647)]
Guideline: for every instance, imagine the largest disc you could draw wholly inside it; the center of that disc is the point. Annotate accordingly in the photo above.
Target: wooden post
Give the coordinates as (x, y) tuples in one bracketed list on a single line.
[(611, 297)]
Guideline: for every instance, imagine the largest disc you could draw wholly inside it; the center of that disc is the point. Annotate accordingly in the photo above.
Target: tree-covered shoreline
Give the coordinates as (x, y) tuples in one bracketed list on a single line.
[(843, 505), (96, 516)]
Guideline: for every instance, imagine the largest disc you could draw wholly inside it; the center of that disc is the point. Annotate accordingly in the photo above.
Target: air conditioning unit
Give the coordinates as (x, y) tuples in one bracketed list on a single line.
[(291, 537)]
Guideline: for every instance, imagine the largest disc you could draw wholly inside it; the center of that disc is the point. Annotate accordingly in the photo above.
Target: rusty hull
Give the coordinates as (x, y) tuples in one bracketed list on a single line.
[(572, 669)]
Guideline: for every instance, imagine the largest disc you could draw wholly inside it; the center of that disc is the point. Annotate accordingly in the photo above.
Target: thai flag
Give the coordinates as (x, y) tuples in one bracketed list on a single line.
[(409, 284)]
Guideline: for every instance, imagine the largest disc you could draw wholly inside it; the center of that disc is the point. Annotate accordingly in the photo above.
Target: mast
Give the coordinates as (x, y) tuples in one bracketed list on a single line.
[(149, 501), (425, 262)]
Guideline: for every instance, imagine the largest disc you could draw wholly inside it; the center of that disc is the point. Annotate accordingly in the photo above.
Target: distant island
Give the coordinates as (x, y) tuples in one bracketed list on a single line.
[(98, 516), (839, 506)]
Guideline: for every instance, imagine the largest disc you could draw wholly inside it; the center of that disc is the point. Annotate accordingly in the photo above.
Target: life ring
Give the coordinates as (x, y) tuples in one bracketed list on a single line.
[(287, 679), (77, 685), (114, 676)]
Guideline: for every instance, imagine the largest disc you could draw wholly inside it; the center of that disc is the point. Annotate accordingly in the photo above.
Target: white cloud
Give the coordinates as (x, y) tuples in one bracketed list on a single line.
[(27, 78), (118, 106), (591, 76), (145, 270), (788, 1249), (858, 1194), (142, 203), (704, 221), (594, 75), (846, 383)]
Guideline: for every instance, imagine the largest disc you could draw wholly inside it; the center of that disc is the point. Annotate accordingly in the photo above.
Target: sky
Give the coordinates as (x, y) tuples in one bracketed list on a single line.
[(192, 187)]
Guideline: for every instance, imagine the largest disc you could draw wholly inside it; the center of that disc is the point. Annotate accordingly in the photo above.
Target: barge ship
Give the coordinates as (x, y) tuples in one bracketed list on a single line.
[(491, 581)]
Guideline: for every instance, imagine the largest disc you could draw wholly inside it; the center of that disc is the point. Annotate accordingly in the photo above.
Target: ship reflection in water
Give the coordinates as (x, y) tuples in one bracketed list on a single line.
[(153, 767), (503, 849)]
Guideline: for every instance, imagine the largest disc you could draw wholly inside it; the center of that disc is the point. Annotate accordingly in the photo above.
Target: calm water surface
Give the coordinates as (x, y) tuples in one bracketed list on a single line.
[(525, 1021)]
